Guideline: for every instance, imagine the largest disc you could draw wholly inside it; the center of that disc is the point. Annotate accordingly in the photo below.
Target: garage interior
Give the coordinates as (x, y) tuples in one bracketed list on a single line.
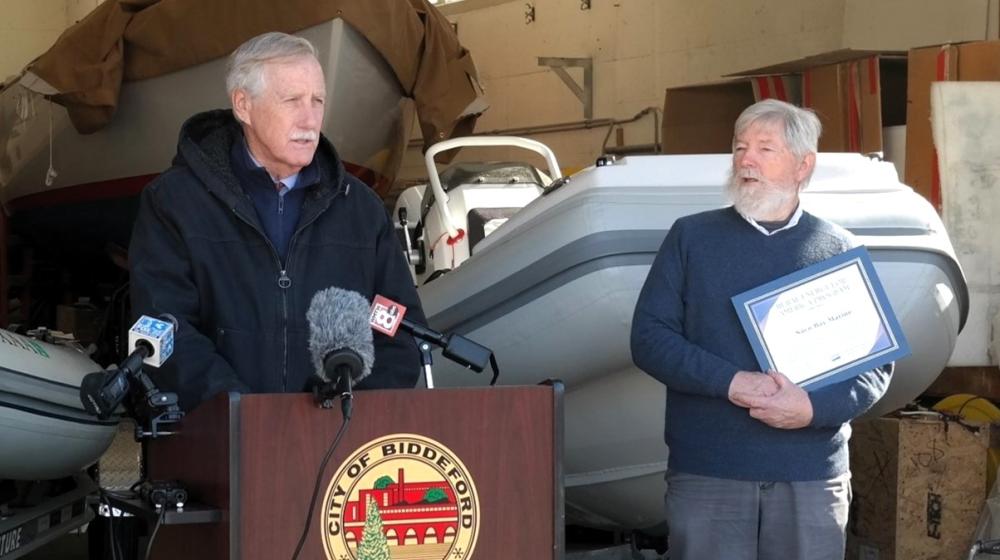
[(599, 82)]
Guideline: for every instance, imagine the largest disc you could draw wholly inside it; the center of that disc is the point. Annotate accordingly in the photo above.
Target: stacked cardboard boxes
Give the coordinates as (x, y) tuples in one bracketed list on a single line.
[(856, 94), (970, 62)]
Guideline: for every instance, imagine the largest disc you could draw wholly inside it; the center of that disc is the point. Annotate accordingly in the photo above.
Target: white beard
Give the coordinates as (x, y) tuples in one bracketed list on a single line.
[(759, 201)]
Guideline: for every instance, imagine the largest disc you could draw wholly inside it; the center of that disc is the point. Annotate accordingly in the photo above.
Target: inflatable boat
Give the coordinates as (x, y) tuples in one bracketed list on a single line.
[(546, 271), (45, 433)]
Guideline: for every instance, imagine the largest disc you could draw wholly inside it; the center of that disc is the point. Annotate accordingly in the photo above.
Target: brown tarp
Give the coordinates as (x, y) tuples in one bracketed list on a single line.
[(137, 39)]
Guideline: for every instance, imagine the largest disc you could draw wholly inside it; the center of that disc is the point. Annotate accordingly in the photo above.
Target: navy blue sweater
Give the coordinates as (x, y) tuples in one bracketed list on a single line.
[(278, 215), (686, 334)]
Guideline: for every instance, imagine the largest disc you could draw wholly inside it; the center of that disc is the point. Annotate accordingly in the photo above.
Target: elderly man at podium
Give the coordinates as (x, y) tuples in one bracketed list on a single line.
[(254, 217)]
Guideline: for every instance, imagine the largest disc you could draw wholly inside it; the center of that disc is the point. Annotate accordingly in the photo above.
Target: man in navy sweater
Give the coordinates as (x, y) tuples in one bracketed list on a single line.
[(758, 467)]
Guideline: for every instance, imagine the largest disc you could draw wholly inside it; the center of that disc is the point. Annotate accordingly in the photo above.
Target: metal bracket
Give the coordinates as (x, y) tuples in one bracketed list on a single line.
[(529, 13), (585, 94)]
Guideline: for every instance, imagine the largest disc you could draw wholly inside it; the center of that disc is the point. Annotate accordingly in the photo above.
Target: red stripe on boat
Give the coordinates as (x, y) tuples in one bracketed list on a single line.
[(87, 192), (132, 186)]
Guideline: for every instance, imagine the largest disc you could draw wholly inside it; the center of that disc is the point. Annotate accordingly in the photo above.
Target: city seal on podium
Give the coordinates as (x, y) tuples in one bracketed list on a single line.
[(401, 496)]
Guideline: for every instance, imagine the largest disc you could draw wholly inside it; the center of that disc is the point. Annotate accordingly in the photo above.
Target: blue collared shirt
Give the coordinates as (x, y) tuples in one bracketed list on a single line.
[(792, 222), (290, 182)]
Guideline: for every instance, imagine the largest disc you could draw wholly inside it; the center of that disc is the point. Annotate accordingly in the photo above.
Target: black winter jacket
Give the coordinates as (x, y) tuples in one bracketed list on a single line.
[(198, 252)]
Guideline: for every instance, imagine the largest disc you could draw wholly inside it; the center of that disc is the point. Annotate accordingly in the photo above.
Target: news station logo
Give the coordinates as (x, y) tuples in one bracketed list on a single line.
[(401, 496), (386, 315)]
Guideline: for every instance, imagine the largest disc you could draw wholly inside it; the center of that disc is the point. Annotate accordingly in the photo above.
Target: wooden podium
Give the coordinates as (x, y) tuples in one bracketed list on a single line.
[(447, 464)]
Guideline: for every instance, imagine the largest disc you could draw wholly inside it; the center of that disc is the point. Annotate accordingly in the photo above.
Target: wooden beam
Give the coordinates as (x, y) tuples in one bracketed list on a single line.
[(981, 381)]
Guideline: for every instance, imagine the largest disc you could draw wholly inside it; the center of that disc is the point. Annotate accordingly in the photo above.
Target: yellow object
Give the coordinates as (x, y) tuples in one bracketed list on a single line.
[(976, 409)]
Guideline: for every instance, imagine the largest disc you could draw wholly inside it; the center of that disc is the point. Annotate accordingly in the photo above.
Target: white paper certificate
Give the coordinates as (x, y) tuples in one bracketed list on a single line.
[(824, 323)]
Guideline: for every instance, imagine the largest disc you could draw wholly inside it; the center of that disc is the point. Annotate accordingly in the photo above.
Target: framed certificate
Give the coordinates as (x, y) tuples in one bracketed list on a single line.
[(823, 324)]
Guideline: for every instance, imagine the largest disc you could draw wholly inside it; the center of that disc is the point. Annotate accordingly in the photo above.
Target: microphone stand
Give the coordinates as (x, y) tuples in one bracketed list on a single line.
[(340, 367), (325, 392), (158, 408), (455, 347), (426, 360), (102, 392)]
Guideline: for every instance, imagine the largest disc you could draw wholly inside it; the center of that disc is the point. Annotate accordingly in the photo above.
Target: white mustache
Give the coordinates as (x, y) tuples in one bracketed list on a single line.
[(749, 173), (309, 135), (756, 201)]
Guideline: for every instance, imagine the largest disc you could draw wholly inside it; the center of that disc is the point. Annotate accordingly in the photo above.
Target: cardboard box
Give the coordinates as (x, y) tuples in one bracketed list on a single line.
[(856, 94), (855, 100), (978, 61), (699, 119), (919, 486), (83, 321)]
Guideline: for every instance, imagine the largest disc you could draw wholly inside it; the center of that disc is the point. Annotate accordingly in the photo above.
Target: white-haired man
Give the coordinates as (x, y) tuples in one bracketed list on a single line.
[(255, 216), (758, 467)]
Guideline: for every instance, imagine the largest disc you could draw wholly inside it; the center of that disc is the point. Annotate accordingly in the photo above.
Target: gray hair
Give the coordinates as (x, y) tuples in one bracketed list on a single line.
[(801, 127), (246, 65)]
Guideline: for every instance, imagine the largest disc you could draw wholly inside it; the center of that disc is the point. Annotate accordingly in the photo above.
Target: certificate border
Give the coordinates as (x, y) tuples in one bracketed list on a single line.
[(859, 256)]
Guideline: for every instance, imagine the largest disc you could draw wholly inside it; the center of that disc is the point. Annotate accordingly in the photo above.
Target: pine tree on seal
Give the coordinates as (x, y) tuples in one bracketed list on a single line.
[(374, 545)]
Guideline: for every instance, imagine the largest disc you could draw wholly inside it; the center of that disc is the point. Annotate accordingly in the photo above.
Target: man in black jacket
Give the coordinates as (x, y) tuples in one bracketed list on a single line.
[(255, 216)]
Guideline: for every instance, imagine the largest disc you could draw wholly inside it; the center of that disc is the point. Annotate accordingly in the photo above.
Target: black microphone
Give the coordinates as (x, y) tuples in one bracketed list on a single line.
[(341, 345), (388, 316)]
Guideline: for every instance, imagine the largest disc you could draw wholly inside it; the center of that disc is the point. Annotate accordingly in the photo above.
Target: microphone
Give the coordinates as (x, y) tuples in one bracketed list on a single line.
[(156, 335), (152, 341), (388, 316), (340, 343)]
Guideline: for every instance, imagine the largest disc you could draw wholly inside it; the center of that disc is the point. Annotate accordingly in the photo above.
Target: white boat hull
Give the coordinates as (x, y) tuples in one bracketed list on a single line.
[(363, 117), (44, 431), (552, 292)]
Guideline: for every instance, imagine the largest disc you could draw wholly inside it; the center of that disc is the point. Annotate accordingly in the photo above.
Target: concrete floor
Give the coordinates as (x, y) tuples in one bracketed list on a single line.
[(76, 544)]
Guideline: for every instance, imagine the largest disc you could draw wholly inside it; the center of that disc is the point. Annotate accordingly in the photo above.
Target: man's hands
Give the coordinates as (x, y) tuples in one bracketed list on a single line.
[(746, 384), (772, 398)]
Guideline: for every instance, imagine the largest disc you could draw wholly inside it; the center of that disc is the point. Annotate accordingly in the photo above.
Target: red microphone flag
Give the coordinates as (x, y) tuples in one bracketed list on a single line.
[(386, 315)]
